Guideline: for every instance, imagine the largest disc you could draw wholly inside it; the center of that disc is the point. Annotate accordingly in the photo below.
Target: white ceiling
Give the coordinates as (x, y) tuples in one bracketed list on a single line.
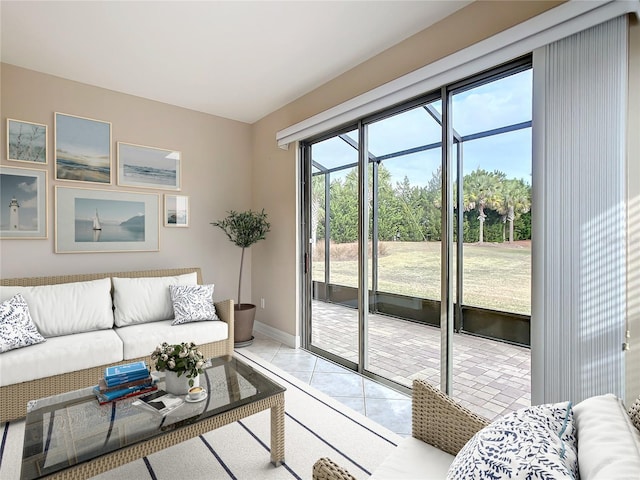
[(236, 59)]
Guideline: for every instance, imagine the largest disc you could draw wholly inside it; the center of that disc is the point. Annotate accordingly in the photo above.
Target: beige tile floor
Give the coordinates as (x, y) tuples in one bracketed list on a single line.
[(384, 405), (490, 377)]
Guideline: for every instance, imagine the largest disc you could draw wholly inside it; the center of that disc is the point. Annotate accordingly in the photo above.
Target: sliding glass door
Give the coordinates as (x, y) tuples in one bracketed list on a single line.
[(416, 232)]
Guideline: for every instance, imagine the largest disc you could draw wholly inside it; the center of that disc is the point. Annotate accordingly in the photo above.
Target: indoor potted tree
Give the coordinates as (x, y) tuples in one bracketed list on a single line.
[(244, 229)]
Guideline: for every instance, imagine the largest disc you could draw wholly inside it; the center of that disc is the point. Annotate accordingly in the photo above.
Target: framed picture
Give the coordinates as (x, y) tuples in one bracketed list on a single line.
[(140, 166), (23, 195), (176, 211), (83, 149), (26, 141), (90, 220)]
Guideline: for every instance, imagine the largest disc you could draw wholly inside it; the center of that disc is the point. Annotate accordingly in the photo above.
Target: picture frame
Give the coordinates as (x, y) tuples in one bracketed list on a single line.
[(24, 192), (176, 210), (91, 220), (149, 167), (26, 141), (82, 149)]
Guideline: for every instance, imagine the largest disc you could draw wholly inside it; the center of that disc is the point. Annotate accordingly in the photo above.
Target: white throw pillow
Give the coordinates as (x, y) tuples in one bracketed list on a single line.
[(534, 442), (67, 308), (16, 327), (147, 299), (609, 443), (192, 303)]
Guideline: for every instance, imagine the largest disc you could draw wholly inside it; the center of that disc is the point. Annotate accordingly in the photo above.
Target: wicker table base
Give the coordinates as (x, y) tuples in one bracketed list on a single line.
[(173, 437)]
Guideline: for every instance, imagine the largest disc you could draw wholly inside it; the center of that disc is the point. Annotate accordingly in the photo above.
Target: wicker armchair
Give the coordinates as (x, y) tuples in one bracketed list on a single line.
[(436, 420)]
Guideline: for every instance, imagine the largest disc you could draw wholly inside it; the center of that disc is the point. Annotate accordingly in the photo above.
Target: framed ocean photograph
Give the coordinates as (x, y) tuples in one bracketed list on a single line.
[(151, 167), (23, 195), (26, 141), (82, 149), (176, 211), (91, 220)]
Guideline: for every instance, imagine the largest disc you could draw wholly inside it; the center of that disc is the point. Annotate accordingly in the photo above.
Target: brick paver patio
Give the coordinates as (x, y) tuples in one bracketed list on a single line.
[(490, 377)]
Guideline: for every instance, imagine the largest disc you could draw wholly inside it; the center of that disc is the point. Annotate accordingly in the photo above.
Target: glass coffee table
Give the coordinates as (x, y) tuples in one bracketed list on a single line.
[(72, 436)]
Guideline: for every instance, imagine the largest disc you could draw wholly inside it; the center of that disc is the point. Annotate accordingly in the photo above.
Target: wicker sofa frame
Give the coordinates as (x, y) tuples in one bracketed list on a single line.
[(436, 419), (13, 398)]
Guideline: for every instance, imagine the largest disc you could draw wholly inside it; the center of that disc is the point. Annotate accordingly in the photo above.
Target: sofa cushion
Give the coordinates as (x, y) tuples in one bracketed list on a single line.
[(142, 339), (414, 459), (147, 299), (16, 327), (192, 303), (61, 354), (609, 444), (533, 442), (67, 308)]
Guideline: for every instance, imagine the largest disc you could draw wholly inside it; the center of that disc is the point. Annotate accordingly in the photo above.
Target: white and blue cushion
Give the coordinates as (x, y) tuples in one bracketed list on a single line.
[(537, 442), (16, 327), (192, 303)]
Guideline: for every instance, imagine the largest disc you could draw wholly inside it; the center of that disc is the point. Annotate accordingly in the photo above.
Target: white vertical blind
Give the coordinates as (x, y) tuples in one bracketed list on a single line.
[(578, 271)]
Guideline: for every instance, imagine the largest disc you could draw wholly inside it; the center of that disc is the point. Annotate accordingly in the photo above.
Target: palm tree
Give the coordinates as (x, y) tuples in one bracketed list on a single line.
[(514, 200), (481, 191)]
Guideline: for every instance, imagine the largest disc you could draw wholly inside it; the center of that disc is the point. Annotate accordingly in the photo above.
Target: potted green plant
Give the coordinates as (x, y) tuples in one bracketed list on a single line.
[(244, 229), (178, 360)]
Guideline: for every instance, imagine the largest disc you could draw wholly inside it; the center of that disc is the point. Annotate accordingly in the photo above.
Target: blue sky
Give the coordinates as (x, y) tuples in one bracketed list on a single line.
[(84, 139), (500, 103)]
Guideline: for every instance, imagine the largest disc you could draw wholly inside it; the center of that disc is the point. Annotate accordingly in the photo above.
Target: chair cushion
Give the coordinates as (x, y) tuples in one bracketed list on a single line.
[(67, 308), (534, 442), (609, 443), (142, 339), (62, 354), (16, 327), (147, 299), (414, 459)]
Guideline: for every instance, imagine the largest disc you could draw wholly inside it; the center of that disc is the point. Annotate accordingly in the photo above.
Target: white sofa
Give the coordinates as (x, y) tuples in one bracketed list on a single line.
[(90, 321), (599, 440)]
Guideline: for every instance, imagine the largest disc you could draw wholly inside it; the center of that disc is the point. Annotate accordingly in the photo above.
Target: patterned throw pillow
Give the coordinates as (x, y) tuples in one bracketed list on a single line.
[(537, 442), (16, 327), (192, 303), (634, 413)]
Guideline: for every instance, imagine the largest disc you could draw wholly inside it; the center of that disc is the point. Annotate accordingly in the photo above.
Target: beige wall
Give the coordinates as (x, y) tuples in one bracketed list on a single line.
[(275, 266), (216, 175)]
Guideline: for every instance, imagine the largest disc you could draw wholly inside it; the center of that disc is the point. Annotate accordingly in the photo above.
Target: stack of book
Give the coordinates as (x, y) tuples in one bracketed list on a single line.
[(124, 381)]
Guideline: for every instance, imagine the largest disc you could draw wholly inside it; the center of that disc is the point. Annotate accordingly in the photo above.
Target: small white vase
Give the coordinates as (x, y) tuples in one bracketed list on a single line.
[(178, 385)]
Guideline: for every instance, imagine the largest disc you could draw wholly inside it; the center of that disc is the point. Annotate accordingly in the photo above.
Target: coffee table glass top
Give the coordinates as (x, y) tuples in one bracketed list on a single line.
[(64, 430)]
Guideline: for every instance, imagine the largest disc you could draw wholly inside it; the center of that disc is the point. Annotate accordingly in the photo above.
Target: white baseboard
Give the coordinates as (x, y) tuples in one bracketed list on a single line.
[(287, 339)]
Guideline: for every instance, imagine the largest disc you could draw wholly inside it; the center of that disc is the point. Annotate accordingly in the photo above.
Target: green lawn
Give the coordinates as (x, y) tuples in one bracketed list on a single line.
[(496, 276)]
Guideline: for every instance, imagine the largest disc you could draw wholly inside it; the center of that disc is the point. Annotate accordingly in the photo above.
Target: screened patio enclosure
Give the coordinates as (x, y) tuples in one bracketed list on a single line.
[(488, 235)]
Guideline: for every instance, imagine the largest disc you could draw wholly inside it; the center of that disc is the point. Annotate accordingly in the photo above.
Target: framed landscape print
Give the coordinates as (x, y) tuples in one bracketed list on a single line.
[(26, 141), (23, 195), (140, 166), (82, 149), (176, 211), (89, 220)]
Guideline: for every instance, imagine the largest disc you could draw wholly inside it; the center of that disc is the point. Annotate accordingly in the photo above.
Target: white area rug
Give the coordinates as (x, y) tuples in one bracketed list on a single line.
[(315, 426)]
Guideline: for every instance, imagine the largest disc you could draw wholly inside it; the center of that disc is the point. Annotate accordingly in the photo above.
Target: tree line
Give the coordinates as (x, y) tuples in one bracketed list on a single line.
[(496, 208)]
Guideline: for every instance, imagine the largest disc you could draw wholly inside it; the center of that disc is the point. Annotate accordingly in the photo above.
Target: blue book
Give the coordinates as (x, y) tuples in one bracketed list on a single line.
[(111, 381), (127, 369), (124, 393)]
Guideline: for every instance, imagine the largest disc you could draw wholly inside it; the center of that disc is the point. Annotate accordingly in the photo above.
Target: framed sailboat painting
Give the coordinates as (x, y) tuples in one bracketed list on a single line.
[(89, 220)]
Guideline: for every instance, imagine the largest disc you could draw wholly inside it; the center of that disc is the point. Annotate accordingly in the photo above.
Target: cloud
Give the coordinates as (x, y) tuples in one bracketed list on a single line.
[(31, 187)]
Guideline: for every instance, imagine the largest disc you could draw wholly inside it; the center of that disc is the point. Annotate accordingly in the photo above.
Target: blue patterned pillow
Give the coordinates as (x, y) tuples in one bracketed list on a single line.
[(16, 327), (534, 443), (192, 303)]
